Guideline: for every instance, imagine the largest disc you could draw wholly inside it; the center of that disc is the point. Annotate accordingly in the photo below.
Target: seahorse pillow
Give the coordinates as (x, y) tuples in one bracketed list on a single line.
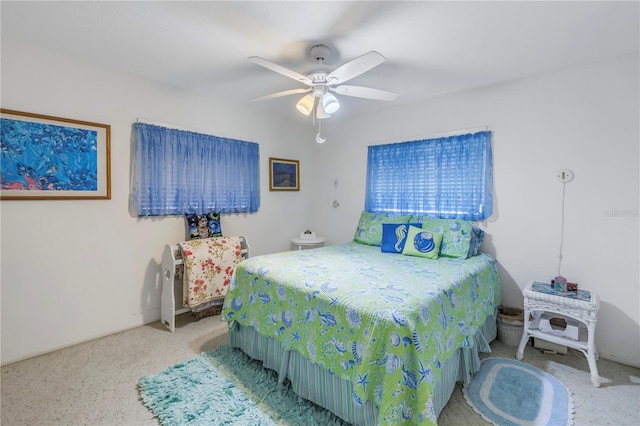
[(394, 236), (422, 242)]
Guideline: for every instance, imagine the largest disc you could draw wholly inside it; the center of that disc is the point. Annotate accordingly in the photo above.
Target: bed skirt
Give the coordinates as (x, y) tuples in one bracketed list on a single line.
[(316, 384)]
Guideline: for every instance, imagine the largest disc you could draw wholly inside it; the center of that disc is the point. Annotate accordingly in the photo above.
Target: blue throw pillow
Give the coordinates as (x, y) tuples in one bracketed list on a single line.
[(394, 236)]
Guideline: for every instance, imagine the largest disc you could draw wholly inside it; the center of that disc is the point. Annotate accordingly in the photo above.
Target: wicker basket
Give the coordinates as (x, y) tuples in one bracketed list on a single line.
[(510, 324), (208, 312)]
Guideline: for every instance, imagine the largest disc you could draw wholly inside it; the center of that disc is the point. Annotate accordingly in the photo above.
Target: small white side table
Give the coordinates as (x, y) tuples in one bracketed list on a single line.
[(307, 243), (538, 296)]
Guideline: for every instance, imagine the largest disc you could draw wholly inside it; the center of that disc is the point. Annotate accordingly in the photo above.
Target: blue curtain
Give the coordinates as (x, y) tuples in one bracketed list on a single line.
[(177, 171), (449, 177)]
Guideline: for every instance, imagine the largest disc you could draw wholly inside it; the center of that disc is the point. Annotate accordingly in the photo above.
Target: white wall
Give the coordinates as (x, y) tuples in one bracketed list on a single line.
[(75, 270), (585, 119)]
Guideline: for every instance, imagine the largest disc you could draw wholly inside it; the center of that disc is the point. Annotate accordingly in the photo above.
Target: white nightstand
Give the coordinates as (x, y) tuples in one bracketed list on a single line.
[(582, 307), (308, 243)]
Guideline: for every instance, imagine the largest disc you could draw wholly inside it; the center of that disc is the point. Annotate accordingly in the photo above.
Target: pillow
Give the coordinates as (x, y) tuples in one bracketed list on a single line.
[(205, 226), (477, 236), (369, 230), (456, 234), (422, 242), (394, 235)]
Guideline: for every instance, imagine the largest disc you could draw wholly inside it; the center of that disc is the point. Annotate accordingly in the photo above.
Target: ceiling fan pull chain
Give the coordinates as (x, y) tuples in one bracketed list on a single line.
[(319, 139), (314, 111)]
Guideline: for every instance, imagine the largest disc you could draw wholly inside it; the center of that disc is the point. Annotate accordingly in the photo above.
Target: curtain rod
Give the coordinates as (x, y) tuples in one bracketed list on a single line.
[(434, 135), (169, 125), (186, 128)]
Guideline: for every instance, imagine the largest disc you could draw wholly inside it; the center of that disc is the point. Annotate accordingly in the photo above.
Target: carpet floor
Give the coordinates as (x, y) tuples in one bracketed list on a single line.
[(94, 383)]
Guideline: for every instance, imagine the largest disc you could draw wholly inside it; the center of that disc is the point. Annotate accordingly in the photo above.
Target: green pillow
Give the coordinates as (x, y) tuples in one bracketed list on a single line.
[(422, 242), (456, 234), (369, 230)]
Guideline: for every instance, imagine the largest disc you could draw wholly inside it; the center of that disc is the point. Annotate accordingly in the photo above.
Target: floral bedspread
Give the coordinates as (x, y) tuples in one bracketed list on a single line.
[(208, 268), (383, 321)]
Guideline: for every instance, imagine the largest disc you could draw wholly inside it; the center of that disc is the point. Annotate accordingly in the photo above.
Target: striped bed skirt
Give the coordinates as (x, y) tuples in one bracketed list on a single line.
[(316, 384)]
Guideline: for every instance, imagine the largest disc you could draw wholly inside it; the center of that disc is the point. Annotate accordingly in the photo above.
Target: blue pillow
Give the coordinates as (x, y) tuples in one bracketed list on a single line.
[(394, 236)]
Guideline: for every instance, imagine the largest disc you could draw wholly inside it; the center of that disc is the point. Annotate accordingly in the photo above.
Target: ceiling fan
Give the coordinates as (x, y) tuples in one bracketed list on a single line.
[(321, 84)]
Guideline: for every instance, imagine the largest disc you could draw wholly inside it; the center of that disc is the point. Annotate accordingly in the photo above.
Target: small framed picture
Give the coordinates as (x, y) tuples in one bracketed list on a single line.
[(284, 175), (53, 158)]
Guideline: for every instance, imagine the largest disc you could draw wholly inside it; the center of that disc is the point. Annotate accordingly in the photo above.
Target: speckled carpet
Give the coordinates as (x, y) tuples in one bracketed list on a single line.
[(96, 382)]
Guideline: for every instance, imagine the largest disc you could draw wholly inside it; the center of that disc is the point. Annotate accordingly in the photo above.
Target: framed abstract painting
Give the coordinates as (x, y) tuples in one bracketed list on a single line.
[(284, 175), (45, 157)]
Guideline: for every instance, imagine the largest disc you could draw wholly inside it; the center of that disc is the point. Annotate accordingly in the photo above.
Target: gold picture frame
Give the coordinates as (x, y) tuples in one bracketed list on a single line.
[(284, 175), (53, 158)]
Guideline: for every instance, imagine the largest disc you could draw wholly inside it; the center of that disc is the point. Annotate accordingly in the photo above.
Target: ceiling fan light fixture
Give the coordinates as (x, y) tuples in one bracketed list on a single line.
[(320, 83), (330, 103), (305, 105), (321, 113)]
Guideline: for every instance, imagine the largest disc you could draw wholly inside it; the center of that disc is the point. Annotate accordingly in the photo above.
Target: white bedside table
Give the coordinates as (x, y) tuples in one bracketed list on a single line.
[(307, 243), (583, 307)]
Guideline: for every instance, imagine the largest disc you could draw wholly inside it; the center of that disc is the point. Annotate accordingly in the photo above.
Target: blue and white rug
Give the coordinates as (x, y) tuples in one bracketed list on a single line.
[(507, 392)]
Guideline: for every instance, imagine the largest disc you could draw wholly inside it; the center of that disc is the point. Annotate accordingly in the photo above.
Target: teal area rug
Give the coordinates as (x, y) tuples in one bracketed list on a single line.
[(507, 392), (226, 387)]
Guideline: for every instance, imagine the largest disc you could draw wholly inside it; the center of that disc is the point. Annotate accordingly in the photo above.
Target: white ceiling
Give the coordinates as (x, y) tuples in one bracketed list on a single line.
[(432, 48)]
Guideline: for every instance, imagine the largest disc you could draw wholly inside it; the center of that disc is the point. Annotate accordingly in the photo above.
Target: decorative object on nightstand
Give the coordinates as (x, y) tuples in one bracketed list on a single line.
[(308, 235), (307, 240), (580, 306)]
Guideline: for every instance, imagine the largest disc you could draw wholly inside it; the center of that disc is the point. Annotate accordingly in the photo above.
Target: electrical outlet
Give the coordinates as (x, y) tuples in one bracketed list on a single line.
[(565, 175)]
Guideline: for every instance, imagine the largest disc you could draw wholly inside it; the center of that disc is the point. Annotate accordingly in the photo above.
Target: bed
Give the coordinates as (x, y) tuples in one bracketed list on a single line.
[(375, 337)]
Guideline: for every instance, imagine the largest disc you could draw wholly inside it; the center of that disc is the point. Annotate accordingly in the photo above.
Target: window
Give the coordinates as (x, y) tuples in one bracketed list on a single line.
[(177, 171), (449, 177)]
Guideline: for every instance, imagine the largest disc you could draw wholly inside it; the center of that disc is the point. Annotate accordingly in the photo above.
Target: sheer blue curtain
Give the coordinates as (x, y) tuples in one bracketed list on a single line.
[(177, 171), (449, 177)]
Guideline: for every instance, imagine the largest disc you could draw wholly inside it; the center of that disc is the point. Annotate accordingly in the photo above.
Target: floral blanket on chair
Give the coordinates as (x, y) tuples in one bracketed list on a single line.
[(208, 266)]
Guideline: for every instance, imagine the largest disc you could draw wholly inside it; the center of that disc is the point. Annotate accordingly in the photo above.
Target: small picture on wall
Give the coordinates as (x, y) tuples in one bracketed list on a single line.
[(284, 175)]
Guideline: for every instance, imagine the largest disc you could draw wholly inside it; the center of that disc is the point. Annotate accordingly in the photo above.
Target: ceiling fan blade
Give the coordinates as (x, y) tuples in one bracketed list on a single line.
[(354, 68), (280, 69), (280, 94), (365, 92)]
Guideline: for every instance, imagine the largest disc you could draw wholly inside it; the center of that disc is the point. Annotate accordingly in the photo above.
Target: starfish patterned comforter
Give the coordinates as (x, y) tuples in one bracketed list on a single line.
[(383, 321)]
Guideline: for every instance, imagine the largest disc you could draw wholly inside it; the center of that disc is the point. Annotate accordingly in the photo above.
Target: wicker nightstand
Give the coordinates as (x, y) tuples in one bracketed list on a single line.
[(582, 307)]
